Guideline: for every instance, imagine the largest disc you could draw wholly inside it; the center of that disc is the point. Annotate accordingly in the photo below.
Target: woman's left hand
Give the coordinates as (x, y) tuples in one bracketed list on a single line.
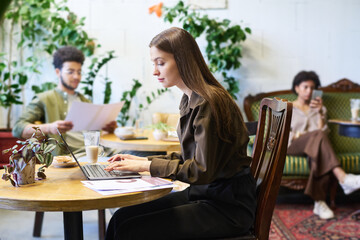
[(316, 104), (129, 165)]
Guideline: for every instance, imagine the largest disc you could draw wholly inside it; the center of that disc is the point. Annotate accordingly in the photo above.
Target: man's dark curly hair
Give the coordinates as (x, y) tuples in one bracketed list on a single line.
[(305, 76), (67, 54)]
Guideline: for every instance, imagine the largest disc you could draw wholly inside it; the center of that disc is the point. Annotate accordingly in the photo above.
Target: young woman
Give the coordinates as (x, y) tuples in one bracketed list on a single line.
[(221, 198), (308, 136)]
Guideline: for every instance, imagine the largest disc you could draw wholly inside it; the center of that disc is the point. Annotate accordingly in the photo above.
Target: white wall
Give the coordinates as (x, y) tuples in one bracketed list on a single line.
[(288, 36)]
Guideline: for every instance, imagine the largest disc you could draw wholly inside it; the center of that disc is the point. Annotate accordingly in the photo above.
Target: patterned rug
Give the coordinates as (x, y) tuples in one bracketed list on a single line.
[(297, 221)]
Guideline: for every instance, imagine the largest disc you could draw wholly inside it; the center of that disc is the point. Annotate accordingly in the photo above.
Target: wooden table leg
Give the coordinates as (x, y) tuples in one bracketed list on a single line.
[(356, 215), (73, 226), (102, 224), (39, 216)]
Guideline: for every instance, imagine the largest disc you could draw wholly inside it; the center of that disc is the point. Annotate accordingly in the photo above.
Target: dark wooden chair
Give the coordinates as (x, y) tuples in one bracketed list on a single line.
[(39, 216), (269, 154)]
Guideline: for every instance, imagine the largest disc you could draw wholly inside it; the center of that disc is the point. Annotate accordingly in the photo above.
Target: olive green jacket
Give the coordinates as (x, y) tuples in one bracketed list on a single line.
[(48, 107)]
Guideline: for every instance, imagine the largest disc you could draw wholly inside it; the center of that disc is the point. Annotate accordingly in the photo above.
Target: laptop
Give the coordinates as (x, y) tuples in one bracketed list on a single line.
[(96, 171)]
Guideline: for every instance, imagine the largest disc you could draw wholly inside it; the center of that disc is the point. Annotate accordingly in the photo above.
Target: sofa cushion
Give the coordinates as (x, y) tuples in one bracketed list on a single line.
[(350, 162), (298, 165)]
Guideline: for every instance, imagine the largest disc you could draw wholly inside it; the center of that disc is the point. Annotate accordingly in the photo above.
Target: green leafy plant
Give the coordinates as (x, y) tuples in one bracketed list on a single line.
[(4, 4), (94, 68), (128, 97), (11, 82), (37, 19), (223, 49), (152, 97), (37, 146), (43, 87), (38, 27), (35, 26), (160, 126)]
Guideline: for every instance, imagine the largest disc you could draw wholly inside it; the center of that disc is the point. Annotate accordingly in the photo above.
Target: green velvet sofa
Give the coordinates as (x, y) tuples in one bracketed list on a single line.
[(336, 98)]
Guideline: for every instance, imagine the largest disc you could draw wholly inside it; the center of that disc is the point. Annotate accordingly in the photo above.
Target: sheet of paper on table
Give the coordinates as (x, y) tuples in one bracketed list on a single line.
[(88, 116), (118, 186)]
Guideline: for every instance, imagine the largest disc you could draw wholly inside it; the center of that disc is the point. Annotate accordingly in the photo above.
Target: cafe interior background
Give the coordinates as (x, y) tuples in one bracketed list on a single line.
[(286, 36)]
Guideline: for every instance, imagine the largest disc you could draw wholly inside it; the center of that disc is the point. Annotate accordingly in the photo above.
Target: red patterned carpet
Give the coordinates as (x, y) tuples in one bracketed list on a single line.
[(297, 221)]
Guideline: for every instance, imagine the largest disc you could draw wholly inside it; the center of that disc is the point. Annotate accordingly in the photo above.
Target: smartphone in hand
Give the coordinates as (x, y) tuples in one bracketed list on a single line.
[(316, 93)]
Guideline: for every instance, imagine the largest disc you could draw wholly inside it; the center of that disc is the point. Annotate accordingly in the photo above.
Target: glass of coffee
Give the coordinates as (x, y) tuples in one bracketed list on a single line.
[(355, 108), (92, 148)]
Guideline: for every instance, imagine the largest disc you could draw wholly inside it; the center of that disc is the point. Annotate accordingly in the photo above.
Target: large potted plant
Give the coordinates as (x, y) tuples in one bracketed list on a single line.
[(21, 169), (35, 27), (11, 82)]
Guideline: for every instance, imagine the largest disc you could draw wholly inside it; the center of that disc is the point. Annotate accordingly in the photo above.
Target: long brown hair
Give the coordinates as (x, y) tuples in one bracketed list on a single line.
[(197, 77)]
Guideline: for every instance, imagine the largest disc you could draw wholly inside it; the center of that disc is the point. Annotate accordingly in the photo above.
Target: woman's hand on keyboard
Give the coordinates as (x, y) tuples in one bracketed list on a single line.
[(129, 165), (119, 157)]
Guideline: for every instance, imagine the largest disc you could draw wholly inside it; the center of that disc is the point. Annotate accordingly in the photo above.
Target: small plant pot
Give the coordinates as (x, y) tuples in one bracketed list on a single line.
[(159, 135), (25, 175)]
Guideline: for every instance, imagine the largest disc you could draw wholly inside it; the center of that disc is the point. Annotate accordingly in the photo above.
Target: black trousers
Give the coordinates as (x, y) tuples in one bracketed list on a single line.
[(224, 208)]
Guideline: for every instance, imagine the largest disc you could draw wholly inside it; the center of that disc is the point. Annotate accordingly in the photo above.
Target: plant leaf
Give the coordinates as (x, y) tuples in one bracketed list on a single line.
[(41, 175), (40, 158), (49, 148)]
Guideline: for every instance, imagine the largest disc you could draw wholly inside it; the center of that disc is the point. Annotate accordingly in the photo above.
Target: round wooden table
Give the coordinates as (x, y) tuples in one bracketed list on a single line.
[(347, 128), (63, 191), (150, 144)]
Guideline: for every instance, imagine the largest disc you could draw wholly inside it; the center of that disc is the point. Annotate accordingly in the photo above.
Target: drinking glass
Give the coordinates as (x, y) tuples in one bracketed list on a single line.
[(355, 107), (92, 147)]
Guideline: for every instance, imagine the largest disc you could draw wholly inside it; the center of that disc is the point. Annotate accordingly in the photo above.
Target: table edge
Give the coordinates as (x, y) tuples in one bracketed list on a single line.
[(120, 200)]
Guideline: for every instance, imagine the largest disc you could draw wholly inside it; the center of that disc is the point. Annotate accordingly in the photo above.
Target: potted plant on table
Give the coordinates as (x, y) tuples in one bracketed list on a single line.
[(160, 130), (21, 169)]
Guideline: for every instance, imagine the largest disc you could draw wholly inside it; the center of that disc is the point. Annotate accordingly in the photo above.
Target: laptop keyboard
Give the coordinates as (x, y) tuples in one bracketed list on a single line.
[(97, 170)]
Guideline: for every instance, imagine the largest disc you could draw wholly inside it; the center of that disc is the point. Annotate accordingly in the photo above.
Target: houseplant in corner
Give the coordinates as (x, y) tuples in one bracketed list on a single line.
[(21, 169), (29, 29)]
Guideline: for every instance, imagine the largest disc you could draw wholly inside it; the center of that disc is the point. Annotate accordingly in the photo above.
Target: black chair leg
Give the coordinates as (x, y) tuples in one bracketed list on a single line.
[(39, 216), (102, 224), (333, 189)]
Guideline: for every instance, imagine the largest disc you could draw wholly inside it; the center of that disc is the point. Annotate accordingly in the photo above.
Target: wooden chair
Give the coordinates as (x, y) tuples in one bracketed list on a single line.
[(268, 161)]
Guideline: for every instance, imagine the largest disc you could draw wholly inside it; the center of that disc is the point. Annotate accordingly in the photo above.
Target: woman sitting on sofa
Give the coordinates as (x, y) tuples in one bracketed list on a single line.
[(308, 137)]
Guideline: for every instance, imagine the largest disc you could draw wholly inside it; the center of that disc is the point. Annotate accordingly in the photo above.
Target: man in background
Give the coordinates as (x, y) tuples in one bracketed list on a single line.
[(49, 109)]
